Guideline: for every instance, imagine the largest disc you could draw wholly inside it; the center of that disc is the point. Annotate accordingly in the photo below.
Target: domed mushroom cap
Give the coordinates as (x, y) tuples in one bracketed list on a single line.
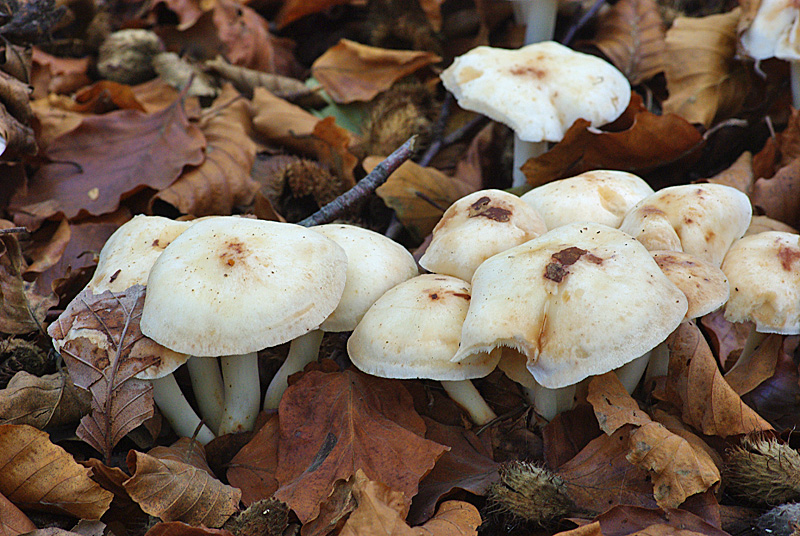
[(772, 32), (129, 253), (413, 331), (761, 224), (580, 300), (375, 264), (538, 90), (476, 227), (701, 219), (231, 285), (601, 196), (705, 286), (764, 274)]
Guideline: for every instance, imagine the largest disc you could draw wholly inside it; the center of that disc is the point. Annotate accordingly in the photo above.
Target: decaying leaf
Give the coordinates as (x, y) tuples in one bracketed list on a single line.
[(739, 175), (245, 35), (12, 521), (779, 196), (638, 521), (726, 338), (103, 348), (22, 306), (332, 424), (186, 493), (36, 474), (50, 400), (111, 156), (705, 81), (280, 121), (253, 468), (351, 72), (777, 399), (612, 404), (760, 366), (177, 528), (292, 10), (105, 96), (187, 12), (631, 35), (51, 74)]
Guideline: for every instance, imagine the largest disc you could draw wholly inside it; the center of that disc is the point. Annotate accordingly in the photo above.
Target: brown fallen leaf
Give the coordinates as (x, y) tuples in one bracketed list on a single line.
[(22, 305), (760, 367), (706, 82), (52, 74), (187, 12), (779, 196), (177, 528), (112, 156), (246, 36), (252, 469), (631, 34), (12, 521), (350, 71), (569, 433), (678, 427), (41, 401), (185, 493), (739, 175), (777, 399), (222, 181), (696, 387), (726, 338), (612, 404), (105, 96), (332, 424), (36, 474), (292, 10), (280, 121), (634, 520)]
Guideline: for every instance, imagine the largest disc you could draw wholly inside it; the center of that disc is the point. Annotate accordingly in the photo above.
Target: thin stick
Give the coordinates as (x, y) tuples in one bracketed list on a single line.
[(363, 188), (582, 22)]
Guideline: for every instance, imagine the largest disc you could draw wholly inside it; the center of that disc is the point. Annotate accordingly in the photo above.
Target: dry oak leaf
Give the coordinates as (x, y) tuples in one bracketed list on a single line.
[(112, 156), (222, 181), (12, 521), (350, 71), (631, 35), (252, 469), (40, 401), (679, 469), (292, 10), (779, 196), (612, 404), (419, 195), (101, 343), (22, 306), (38, 475), (176, 491), (696, 387), (704, 80), (645, 141), (332, 424)]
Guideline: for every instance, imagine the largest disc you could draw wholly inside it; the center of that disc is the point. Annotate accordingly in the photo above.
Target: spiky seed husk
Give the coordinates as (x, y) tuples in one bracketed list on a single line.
[(267, 517), (396, 115), (527, 492), (127, 56), (763, 471), (19, 354), (307, 177)]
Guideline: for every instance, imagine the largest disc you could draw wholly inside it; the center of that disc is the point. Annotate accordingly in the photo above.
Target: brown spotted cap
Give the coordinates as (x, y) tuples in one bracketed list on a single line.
[(413, 331), (231, 285), (580, 300), (476, 227), (705, 286)]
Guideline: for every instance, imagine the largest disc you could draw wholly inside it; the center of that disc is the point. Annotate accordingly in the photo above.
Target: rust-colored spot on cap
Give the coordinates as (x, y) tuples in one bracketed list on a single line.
[(787, 256), (232, 251), (481, 208), (527, 70), (556, 270)]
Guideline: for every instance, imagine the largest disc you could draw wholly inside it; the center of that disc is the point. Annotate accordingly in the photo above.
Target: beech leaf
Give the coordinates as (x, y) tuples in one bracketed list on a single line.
[(12, 521), (36, 474), (779, 196), (612, 404), (332, 424), (22, 307), (292, 10), (40, 401), (635, 520), (111, 156), (253, 468), (177, 528), (185, 492)]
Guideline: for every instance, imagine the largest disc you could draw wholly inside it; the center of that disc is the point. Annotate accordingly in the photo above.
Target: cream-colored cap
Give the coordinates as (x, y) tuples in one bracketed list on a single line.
[(764, 273), (538, 90), (476, 227), (602, 196), (231, 285), (701, 219), (375, 264), (413, 331), (760, 224), (772, 33), (705, 286), (580, 300)]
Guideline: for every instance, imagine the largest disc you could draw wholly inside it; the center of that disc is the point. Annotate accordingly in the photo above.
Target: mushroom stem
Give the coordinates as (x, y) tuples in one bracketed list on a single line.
[(209, 390), (524, 151), (464, 393), (176, 409), (659, 361), (751, 344), (631, 372), (539, 18), (550, 402), (242, 392), (302, 351), (795, 82)]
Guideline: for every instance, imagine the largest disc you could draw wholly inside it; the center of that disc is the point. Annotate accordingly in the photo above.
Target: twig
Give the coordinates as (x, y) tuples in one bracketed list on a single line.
[(438, 131), (15, 230), (363, 188), (575, 28)]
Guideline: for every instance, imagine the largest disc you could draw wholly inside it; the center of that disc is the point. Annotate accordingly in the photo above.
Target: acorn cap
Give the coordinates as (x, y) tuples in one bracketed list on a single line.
[(231, 285), (701, 219), (375, 264), (601, 196), (705, 286), (764, 275), (413, 331), (476, 227), (580, 300), (538, 90)]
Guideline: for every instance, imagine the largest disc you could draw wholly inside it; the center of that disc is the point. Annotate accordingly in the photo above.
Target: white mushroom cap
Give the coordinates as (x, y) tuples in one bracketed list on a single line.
[(229, 286), (476, 227), (601, 196), (701, 219), (413, 331), (760, 224), (538, 90), (764, 274), (580, 300), (705, 286), (773, 31), (375, 264)]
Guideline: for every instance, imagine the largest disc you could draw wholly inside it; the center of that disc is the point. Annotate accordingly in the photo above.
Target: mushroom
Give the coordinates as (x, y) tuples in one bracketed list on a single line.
[(413, 331), (580, 300), (601, 196), (764, 273), (701, 219), (538, 17), (476, 227), (231, 286), (375, 264), (538, 90)]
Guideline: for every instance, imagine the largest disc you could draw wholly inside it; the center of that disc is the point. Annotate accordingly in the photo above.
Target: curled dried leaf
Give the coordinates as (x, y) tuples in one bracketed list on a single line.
[(50, 400)]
